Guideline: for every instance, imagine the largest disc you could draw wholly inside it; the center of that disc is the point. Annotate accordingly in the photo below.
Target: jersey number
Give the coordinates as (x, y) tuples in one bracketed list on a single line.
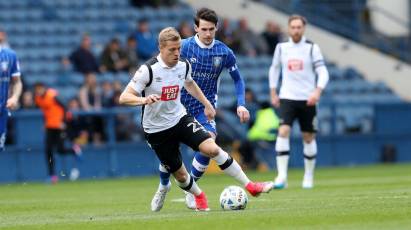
[(195, 126)]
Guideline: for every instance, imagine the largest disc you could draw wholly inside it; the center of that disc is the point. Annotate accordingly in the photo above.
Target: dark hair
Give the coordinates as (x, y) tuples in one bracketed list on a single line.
[(207, 15), (297, 17), (39, 84)]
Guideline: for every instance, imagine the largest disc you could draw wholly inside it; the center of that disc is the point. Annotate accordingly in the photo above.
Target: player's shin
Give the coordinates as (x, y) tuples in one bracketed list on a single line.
[(189, 185), (231, 167), (282, 147), (199, 165), (310, 153), (164, 177)]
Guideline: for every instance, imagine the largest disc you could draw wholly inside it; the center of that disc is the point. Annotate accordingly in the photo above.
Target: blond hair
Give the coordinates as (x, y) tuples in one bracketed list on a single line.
[(168, 34)]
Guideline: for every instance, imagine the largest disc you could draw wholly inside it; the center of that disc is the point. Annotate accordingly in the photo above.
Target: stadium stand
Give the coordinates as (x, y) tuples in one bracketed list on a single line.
[(45, 31)]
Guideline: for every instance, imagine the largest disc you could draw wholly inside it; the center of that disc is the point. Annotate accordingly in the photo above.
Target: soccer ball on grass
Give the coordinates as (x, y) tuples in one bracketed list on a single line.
[(233, 198)]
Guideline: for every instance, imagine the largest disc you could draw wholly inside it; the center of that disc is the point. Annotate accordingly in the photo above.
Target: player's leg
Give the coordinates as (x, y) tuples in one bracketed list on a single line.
[(51, 138), (307, 120), (3, 130), (282, 145), (186, 182), (200, 161), (195, 136), (166, 146)]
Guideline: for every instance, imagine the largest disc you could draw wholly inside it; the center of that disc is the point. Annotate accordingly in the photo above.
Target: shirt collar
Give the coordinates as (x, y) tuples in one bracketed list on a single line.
[(202, 45), (300, 42), (163, 64)]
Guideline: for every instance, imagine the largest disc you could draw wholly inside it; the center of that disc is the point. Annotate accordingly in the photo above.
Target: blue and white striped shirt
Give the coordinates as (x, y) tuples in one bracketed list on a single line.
[(9, 67), (207, 62)]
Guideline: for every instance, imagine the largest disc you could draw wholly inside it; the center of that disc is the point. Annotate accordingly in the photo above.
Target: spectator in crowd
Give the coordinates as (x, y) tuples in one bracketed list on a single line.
[(54, 113), (89, 93), (90, 100), (82, 59), (251, 44), (261, 134), (272, 35), (146, 40), (107, 94), (27, 100), (185, 30), (117, 86), (113, 58), (131, 54), (76, 124), (225, 34)]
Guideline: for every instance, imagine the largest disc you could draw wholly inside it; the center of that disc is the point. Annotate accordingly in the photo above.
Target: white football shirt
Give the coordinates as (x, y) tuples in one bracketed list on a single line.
[(167, 82), (299, 63)]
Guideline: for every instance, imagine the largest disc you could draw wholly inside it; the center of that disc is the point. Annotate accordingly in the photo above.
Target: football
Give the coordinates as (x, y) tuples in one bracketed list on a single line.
[(233, 198)]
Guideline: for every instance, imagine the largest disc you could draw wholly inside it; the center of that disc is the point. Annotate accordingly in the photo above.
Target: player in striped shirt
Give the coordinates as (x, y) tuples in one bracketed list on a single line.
[(208, 57), (9, 75)]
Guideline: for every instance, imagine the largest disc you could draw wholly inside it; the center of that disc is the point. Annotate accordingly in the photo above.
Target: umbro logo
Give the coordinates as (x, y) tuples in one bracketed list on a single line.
[(158, 79)]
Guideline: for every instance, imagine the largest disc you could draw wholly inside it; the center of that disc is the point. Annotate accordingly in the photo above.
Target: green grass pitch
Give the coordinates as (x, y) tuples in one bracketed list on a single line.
[(367, 197)]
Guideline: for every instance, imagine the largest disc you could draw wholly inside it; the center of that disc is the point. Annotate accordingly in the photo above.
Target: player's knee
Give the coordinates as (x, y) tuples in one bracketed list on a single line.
[(308, 137), (181, 176), (310, 149), (209, 148), (284, 131)]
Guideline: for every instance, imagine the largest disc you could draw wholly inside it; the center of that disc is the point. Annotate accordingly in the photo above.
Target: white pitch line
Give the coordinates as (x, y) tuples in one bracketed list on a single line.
[(181, 200)]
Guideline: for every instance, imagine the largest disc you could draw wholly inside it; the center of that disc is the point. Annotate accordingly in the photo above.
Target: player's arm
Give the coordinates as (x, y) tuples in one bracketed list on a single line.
[(132, 93), (16, 85), (274, 75), (242, 111), (322, 73)]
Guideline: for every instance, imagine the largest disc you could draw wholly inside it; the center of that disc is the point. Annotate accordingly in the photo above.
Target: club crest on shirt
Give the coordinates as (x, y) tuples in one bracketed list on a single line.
[(4, 66), (217, 61)]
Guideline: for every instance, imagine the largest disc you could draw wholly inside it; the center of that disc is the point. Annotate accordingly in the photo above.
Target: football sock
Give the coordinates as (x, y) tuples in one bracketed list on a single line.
[(189, 185), (199, 165), (231, 167), (164, 175), (310, 153), (282, 146)]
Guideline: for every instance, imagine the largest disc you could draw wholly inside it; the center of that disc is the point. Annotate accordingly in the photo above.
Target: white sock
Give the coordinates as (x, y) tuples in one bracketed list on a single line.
[(282, 166), (310, 152), (193, 189), (231, 167), (282, 146)]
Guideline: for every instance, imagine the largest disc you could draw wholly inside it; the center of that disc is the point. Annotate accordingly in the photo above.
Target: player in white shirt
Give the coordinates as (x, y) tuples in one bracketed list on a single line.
[(157, 87), (300, 62)]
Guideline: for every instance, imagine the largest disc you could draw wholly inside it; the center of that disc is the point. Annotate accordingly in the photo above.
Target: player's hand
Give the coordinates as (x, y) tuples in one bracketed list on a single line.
[(150, 99), (243, 114), (314, 98), (209, 111), (275, 100), (12, 103)]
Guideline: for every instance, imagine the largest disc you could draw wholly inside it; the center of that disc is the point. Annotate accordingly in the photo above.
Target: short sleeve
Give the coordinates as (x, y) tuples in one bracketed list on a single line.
[(15, 67), (140, 79), (189, 78)]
